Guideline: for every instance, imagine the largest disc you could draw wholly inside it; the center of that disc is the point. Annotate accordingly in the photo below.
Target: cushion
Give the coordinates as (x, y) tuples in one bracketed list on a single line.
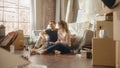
[(75, 41)]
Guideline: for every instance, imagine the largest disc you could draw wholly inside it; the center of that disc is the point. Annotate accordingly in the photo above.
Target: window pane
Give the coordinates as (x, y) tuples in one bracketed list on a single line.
[(16, 15), (1, 0), (1, 23), (11, 5), (10, 26), (10, 14), (24, 3), (25, 27), (24, 15), (11, 1), (1, 8), (1, 14), (1, 3)]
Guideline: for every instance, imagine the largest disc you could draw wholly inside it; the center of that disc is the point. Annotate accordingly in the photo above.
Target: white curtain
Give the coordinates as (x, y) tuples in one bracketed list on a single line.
[(72, 9), (61, 7), (69, 12), (66, 10), (33, 9), (92, 7)]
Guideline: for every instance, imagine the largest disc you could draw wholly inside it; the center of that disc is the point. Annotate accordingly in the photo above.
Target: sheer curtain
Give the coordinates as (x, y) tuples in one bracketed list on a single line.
[(93, 7), (90, 7), (72, 9), (61, 8), (66, 10)]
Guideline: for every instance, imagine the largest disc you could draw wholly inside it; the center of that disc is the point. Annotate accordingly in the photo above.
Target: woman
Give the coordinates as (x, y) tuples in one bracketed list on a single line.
[(64, 41)]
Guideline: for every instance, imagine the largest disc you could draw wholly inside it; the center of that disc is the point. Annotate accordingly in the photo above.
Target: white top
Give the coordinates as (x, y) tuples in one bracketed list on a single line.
[(64, 37)]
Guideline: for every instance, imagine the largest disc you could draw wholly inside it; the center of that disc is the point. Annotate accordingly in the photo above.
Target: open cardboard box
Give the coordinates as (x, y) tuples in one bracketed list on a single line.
[(19, 41)]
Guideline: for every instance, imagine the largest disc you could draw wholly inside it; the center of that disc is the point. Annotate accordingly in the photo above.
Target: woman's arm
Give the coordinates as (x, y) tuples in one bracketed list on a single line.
[(68, 39), (58, 39), (65, 40)]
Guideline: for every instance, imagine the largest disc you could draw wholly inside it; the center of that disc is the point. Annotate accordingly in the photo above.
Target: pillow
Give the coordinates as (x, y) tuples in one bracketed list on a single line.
[(75, 41)]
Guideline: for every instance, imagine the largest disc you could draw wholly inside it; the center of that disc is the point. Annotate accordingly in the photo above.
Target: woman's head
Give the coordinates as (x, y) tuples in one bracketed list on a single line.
[(63, 25)]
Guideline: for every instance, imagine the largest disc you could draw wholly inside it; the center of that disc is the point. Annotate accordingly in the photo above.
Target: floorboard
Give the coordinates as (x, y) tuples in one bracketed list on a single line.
[(63, 61)]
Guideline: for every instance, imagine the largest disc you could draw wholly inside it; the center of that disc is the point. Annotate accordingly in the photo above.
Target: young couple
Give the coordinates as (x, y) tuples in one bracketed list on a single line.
[(58, 39)]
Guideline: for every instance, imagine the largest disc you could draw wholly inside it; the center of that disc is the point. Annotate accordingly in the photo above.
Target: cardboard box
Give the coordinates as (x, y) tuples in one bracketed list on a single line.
[(19, 41)]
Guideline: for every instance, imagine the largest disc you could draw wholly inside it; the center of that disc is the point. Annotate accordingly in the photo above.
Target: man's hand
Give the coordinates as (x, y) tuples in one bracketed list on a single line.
[(52, 43), (42, 33)]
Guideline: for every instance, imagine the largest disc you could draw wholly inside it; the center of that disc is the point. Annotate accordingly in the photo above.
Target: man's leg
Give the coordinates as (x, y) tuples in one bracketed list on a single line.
[(38, 43)]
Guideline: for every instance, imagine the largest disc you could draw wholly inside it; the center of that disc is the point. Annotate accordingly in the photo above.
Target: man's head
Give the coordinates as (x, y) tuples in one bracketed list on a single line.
[(52, 24)]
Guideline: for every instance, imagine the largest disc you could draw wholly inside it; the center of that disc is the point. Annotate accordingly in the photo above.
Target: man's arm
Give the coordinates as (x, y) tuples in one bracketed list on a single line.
[(42, 35)]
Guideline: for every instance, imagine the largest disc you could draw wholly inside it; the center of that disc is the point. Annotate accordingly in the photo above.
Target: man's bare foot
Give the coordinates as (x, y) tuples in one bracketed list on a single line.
[(33, 52), (43, 51)]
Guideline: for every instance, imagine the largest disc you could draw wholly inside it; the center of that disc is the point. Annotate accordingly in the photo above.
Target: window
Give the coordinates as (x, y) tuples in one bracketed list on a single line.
[(16, 14)]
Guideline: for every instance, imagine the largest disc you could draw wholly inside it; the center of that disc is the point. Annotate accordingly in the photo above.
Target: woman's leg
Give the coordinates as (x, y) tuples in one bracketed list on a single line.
[(59, 46), (51, 48), (63, 48)]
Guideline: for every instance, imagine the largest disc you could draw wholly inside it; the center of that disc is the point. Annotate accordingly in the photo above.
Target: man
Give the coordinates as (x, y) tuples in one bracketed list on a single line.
[(47, 37), (51, 34)]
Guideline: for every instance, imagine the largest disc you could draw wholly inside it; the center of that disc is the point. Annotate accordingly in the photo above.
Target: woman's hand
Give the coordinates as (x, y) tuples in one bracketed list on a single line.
[(63, 42)]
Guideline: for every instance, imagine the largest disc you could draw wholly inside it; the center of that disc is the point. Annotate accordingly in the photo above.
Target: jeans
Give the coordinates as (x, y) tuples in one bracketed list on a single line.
[(48, 44), (59, 46)]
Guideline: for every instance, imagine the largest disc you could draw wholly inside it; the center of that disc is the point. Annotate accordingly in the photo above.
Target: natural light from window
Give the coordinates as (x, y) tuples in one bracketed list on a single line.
[(16, 14)]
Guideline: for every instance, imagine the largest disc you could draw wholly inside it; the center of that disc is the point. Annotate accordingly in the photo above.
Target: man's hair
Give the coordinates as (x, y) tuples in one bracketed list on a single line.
[(53, 21)]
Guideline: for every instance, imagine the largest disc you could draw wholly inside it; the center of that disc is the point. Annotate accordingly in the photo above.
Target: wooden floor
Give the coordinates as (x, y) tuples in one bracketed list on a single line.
[(63, 61)]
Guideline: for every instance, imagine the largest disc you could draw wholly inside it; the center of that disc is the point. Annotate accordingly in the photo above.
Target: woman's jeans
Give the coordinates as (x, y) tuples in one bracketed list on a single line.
[(60, 47)]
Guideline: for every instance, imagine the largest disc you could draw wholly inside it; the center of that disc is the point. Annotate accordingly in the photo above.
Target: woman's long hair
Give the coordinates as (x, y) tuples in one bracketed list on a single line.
[(64, 25)]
